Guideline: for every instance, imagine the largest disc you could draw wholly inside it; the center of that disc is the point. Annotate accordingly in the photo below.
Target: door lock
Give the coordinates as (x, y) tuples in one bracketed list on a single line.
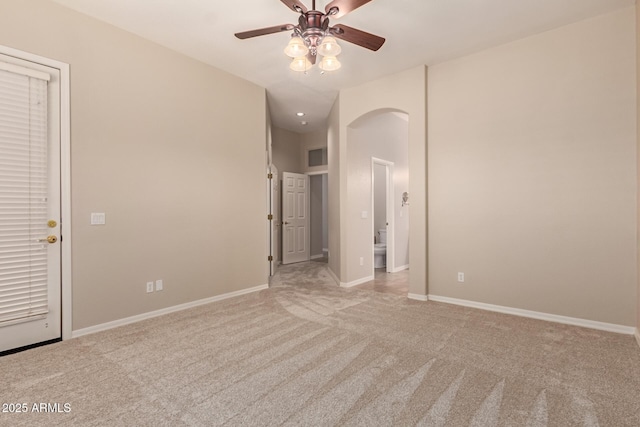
[(49, 239), (52, 223)]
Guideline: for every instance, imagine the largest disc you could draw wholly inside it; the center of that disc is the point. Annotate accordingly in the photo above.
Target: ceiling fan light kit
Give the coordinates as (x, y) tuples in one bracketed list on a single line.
[(329, 47), (329, 63), (296, 47), (313, 36), (301, 64)]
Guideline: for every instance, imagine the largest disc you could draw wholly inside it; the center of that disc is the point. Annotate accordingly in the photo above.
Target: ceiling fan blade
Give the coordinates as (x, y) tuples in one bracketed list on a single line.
[(344, 6), (295, 5), (359, 37), (263, 31)]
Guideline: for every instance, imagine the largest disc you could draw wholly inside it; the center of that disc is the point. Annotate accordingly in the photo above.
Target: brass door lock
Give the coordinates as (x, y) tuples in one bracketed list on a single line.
[(49, 239), (52, 223)]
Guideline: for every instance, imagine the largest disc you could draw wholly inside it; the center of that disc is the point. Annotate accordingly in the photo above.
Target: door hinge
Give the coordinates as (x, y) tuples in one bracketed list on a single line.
[(270, 217), (270, 176), (270, 258)]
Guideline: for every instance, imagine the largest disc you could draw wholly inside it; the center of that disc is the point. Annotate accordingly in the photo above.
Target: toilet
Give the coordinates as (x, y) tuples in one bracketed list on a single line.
[(380, 250)]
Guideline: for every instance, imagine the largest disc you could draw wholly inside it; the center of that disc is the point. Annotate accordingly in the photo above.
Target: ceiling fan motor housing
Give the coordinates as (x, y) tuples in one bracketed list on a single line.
[(313, 26)]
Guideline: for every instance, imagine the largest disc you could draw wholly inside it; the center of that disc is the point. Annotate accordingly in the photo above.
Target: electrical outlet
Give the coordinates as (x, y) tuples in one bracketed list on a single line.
[(149, 287), (361, 261), (159, 285), (461, 277)]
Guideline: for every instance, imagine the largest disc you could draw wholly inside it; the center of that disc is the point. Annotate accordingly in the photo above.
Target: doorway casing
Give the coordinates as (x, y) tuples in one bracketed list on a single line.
[(65, 180), (390, 220)]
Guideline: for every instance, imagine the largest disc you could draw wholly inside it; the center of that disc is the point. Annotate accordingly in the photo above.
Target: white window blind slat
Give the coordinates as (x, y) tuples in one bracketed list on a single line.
[(23, 193)]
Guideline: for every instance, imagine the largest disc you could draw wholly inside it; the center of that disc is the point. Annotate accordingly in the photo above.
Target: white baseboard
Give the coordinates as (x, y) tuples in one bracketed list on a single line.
[(333, 276), (638, 336), (316, 256), (418, 297), (609, 327), (401, 268), (151, 314), (356, 282)]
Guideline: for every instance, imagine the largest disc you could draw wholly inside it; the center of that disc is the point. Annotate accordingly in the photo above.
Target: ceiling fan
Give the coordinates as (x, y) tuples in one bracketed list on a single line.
[(313, 34)]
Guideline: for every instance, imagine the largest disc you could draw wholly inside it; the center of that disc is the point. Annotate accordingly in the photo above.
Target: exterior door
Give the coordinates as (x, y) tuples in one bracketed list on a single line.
[(295, 217), (30, 249)]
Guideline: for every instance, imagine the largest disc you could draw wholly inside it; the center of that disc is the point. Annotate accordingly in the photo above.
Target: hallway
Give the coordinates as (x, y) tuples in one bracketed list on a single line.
[(304, 272)]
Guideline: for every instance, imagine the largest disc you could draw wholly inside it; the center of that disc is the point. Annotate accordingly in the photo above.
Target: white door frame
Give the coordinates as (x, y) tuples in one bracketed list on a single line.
[(315, 173), (389, 211), (65, 179), (273, 200)]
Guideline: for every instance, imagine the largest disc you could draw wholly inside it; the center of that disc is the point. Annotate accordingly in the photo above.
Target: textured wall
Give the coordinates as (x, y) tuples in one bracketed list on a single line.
[(406, 92), (172, 150), (532, 173), (638, 159), (383, 136)]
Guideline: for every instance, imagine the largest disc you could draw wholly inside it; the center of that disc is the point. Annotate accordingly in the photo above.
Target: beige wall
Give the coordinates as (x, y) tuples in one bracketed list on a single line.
[(286, 155), (638, 158), (172, 150), (383, 136), (333, 152), (405, 92), (316, 224), (290, 154), (532, 173), (312, 141), (286, 150)]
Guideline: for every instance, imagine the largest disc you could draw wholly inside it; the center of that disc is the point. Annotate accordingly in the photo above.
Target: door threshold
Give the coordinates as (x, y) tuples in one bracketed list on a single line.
[(29, 347)]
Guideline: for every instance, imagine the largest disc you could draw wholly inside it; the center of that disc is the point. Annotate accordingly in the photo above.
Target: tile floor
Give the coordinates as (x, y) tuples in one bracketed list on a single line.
[(390, 283)]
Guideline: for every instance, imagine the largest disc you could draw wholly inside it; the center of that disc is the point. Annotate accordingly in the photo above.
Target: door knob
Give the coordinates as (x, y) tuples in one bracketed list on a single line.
[(49, 239), (285, 223)]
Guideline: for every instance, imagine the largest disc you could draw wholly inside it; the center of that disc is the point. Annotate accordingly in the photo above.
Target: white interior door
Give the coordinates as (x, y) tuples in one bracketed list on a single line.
[(295, 216), (30, 250)]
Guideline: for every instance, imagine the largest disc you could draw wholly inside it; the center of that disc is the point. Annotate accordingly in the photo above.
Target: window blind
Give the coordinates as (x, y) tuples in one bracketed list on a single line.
[(23, 195)]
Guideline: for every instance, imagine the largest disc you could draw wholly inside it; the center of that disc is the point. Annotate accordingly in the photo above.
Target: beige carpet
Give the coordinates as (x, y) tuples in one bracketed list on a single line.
[(306, 352)]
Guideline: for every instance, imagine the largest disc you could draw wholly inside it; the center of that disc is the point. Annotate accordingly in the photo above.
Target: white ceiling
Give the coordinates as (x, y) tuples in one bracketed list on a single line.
[(417, 32)]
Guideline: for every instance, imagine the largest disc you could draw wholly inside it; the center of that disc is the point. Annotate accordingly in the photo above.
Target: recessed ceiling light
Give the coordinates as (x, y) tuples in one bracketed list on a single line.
[(299, 114), (303, 123)]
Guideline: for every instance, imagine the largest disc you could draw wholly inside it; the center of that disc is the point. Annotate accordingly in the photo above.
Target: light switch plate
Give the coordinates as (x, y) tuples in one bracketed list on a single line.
[(98, 218)]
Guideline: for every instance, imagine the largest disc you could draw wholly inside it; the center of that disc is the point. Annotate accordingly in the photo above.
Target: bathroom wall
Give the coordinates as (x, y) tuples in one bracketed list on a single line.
[(379, 199), (384, 136)]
